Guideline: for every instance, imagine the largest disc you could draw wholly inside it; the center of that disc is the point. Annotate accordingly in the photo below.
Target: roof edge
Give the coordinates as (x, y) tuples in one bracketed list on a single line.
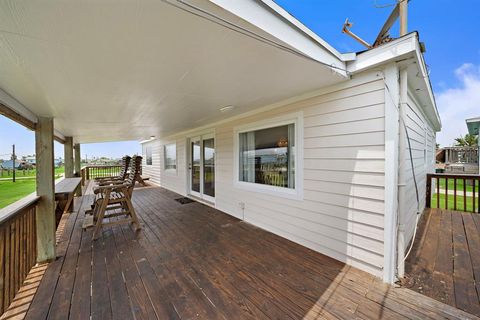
[(272, 19), (400, 50), (300, 26)]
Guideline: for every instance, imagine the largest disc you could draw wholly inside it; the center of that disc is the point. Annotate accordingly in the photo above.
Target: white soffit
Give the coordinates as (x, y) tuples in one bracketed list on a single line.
[(276, 21), (121, 70)]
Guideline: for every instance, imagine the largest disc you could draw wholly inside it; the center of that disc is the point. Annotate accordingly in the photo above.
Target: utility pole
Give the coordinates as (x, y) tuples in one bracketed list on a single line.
[(403, 6), (13, 161)]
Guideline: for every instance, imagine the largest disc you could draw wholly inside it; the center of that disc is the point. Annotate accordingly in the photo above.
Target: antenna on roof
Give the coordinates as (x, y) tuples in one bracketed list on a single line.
[(346, 30), (400, 10)]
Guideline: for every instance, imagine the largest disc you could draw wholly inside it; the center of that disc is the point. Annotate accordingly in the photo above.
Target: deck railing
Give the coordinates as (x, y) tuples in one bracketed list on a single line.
[(453, 191), (92, 172), (18, 247)]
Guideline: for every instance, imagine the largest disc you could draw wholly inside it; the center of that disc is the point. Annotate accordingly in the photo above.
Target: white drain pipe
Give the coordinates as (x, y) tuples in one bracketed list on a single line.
[(402, 167)]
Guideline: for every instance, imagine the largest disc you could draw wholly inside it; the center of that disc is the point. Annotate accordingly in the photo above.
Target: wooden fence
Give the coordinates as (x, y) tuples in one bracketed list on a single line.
[(453, 191), (18, 247)]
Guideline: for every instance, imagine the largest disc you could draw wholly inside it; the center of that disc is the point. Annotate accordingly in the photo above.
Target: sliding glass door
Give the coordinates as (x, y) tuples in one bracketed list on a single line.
[(202, 166), (195, 169)]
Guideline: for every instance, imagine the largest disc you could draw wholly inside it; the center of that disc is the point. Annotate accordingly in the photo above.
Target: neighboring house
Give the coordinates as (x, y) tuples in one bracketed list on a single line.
[(30, 159), (461, 159), (8, 164), (473, 126), (458, 159), (249, 111)]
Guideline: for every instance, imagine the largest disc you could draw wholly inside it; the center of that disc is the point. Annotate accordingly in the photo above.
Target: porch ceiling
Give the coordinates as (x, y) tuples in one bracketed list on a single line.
[(131, 69)]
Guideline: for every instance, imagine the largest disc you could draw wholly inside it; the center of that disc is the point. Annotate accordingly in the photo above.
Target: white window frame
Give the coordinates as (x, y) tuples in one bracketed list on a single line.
[(170, 171), (146, 146), (292, 118)]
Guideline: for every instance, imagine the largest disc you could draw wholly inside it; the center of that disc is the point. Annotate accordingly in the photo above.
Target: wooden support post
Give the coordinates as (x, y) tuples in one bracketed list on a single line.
[(68, 152), (45, 217), (78, 166), (428, 193)]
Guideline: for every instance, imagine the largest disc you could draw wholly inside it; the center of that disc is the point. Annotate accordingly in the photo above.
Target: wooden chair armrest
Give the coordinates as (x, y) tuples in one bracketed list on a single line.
[(110, 182), (116, 187), (107, 178)]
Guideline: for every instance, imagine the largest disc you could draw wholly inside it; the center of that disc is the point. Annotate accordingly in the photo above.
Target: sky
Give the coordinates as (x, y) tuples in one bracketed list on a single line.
[(24, 140), (448, 28)]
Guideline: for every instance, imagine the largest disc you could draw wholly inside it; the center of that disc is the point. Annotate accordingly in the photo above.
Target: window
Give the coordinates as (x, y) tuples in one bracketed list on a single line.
[(148, 155), (170, 152), (267, 157)]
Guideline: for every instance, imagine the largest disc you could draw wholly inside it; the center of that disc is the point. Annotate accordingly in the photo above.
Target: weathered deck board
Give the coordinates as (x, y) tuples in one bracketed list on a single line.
[(446, 264), (192, 261)]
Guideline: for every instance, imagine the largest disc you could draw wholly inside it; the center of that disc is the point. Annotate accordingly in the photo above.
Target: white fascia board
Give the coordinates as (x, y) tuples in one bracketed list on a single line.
[(272, 19), (473, 120), (287, 16), (16, 106), (393, 51), (350, 56), (422, 77)]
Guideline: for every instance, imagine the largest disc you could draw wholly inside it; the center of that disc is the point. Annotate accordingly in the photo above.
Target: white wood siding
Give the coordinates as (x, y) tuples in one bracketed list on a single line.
[(342, 211), (422, 142), (175, 181), (152, 171)]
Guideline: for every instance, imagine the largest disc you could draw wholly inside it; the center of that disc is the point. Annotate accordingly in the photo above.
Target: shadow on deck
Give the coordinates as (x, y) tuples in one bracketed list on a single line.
[(445, 261), (192, 261)]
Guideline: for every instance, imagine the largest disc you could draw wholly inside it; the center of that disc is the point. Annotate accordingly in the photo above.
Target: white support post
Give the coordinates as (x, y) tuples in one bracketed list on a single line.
[(391, 171), (45, 216), (68, 152)]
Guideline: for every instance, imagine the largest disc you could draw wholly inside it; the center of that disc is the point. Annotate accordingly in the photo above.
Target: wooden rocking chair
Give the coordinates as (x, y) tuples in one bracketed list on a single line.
[(125, 163), (114, 201)]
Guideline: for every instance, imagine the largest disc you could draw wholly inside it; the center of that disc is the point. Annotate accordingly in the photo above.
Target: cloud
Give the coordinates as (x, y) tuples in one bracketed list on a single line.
[(460, 103)]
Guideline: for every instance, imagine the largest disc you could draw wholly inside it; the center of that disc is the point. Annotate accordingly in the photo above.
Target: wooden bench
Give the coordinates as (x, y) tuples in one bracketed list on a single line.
[(64, 194)]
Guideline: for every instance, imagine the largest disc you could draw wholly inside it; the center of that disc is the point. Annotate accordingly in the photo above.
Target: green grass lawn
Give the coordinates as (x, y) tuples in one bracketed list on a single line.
[(14, 191), (27, 173), (451, 202), (451, 185)]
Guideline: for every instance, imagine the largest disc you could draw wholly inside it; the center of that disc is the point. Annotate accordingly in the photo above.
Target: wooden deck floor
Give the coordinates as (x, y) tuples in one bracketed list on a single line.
[(445, 262), (192, 261)]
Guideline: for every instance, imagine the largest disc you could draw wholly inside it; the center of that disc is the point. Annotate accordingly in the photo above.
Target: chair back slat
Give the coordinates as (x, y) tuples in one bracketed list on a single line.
[(125, 165), (135, 169)]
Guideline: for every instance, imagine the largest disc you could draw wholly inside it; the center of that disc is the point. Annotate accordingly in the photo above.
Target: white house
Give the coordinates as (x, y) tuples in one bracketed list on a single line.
[(242, 107)]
